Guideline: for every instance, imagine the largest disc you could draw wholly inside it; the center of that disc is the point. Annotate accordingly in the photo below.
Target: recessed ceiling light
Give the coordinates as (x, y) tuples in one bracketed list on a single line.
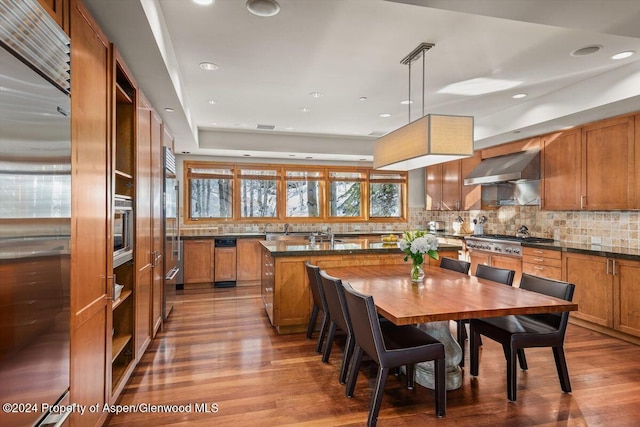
[(209, 66), (587, 50), (289, 128), (263, 8), (623, 55), (363, 98), (213, 102), (519, 95), (406, 102), (315, 94), (169, 110), (385, 115), (305, 109), (204, 2), (479, 86)]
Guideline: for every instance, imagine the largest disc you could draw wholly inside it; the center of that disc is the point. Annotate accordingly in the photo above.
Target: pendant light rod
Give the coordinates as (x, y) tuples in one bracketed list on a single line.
[(408, 60)]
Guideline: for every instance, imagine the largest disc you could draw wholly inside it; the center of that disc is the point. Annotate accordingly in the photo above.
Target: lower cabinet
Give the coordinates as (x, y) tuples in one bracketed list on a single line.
[(248, 262), (607, 291), (198, 261), (542, 262), (499, 261)]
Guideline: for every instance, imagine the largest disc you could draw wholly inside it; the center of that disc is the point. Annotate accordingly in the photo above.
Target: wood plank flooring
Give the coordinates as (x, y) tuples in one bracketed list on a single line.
[(218, 349)]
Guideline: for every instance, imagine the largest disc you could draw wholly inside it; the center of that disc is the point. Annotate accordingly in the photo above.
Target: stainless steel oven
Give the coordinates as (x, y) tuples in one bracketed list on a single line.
[(122, 230)]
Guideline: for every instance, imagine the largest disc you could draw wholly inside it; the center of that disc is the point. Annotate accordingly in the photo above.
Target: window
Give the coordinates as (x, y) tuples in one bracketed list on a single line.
[(304, 194), (258, 193), (345, 194), (386, 194), (210, 192)]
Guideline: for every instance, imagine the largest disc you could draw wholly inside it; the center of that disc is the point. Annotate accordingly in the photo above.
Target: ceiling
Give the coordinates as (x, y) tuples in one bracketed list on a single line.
[(350, 49)]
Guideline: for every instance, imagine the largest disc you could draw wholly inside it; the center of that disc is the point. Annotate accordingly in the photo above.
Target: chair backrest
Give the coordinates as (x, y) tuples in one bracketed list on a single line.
[(500, 275), (455, 265), (552, 288), (332, 287), (313, 272), (364, 322)]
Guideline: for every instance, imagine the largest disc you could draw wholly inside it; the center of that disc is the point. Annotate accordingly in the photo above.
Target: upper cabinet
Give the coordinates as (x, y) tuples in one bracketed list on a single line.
[(591, 168), (59, 11), (445, 187)]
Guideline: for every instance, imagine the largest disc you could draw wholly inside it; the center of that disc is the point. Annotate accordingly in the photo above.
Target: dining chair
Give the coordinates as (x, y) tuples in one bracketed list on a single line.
[(319, 304), (495, 274), (390, 347), (526, 331), (338, 318), (455, 265)]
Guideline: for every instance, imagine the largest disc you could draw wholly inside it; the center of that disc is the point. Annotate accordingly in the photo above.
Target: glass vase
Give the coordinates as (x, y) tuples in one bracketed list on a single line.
[(417, 273)]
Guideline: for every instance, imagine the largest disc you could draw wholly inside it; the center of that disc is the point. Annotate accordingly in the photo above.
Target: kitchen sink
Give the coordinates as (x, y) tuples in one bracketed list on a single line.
[(298, 236)]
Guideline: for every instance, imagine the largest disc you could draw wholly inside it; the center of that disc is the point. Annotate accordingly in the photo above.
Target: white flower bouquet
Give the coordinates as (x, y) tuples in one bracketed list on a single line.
[(415, 244)]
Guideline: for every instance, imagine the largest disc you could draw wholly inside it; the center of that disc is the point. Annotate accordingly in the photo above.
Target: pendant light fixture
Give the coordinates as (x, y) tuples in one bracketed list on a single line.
[(432, 139)]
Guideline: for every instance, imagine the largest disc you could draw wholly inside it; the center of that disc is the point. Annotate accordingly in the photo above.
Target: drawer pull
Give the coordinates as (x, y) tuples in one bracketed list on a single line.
[(268, 289), (538, 267), (539, 259), (535, 251)]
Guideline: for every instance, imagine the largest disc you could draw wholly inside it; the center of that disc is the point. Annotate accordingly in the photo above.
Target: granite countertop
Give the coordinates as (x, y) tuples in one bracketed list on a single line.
[(347, 247), (597, 250)]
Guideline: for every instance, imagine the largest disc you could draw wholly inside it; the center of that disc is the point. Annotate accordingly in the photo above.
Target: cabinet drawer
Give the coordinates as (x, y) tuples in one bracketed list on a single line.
[(545, 253), (545, 271), (539, 260)]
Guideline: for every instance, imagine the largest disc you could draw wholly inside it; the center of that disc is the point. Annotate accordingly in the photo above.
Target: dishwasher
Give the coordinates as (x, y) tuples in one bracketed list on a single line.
[(224, 262)]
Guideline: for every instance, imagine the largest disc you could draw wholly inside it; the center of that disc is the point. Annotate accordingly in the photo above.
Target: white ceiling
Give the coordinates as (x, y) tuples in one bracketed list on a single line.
[(348, 49)]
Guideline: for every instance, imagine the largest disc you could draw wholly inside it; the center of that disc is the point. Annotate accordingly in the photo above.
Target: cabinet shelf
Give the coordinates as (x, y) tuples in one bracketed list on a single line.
[(123, 296), (118, 343), (121, 96), (123, 174)]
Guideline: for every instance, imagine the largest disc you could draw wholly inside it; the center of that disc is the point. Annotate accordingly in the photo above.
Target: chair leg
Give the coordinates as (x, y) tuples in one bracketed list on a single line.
[(410, 376), (561, 366), (522, 359), (512, 373), (329, 343), (378, 392), (312, 321), (353, 373), (348, 352), (474, 349), (441, 387), (461, 336), (323, 332)]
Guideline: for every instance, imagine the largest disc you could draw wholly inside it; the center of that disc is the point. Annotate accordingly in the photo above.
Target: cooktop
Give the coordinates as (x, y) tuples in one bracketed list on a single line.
[(506, 237)]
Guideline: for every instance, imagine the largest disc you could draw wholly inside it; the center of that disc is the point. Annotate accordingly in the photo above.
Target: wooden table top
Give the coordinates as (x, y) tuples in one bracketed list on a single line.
[(443, 295)]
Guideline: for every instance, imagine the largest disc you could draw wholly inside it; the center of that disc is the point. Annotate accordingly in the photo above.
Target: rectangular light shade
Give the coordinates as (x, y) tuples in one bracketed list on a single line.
[(429, 140)]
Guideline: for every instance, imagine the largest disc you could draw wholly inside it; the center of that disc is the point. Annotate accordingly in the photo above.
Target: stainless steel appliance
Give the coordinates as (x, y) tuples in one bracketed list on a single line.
[(435, 225), (35, 219), (501, 243), (171, 216), (122, 230)]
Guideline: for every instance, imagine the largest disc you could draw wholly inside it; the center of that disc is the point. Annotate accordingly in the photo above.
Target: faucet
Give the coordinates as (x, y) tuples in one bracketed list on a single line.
[(330, 235), (286, 229)]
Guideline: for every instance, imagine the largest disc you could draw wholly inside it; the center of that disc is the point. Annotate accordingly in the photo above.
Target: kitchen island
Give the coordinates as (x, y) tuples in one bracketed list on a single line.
[(285, 286)]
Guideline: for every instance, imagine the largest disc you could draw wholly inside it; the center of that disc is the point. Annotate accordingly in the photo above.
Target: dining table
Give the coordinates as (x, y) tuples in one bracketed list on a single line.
[(442, 296)]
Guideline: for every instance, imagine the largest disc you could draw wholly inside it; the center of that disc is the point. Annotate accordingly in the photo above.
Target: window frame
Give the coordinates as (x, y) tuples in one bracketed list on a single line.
[(188, 175), (239, 176), (322, 208), (402, 181)]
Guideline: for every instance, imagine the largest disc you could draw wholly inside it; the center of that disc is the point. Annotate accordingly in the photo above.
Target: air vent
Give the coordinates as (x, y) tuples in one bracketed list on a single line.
[(378, 133), (265, 127)]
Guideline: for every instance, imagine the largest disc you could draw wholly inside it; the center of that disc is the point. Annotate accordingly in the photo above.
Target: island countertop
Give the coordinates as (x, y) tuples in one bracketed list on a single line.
[(346, 246)]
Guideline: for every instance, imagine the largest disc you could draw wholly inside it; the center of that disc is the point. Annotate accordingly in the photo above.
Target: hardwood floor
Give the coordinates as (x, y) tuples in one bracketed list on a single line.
[(217, 349)]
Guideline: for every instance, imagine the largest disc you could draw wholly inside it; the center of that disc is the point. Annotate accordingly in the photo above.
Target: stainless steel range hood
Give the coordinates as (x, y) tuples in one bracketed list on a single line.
[(516, 167)]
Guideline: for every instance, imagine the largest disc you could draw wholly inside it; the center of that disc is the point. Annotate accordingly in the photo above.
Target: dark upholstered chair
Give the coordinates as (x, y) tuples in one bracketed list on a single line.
[(319, 304), (390, 346), (500, 275), (455, 265), (516, 333), (339, 318)]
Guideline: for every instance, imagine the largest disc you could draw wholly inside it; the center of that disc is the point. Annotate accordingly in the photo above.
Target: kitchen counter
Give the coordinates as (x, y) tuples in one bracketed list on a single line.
[(597, 250), (348, 246)]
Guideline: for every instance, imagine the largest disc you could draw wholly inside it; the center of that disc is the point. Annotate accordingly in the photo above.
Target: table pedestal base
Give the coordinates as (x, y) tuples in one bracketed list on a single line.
[(453, 355)]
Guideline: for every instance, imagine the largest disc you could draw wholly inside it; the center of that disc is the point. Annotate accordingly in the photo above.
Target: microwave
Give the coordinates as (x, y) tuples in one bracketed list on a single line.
[(122, 230)]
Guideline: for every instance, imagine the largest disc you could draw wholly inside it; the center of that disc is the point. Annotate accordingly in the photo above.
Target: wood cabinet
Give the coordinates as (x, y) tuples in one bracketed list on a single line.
[(267, 282), (499, 261), (591, 168), (445, 189), (91, 254), (249, 260), (198, 261), (607, 291), (225, 262), (157, 223), (59, 10), (542, 262)]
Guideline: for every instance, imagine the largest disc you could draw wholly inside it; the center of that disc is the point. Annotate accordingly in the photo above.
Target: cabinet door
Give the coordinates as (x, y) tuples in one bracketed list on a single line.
[(59, 11), (249, 259), (225, 264), (292, 296), (91, 253), (560, 163), (198, 261), (594, 287), (509, 263), (477, 258), (627, 296), (433, 187), (451, 186), (157, 225), (608, 164), (470, 195)]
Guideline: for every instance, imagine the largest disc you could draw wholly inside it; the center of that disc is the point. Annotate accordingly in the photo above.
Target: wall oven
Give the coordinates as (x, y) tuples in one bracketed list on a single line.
[(122, 230)]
